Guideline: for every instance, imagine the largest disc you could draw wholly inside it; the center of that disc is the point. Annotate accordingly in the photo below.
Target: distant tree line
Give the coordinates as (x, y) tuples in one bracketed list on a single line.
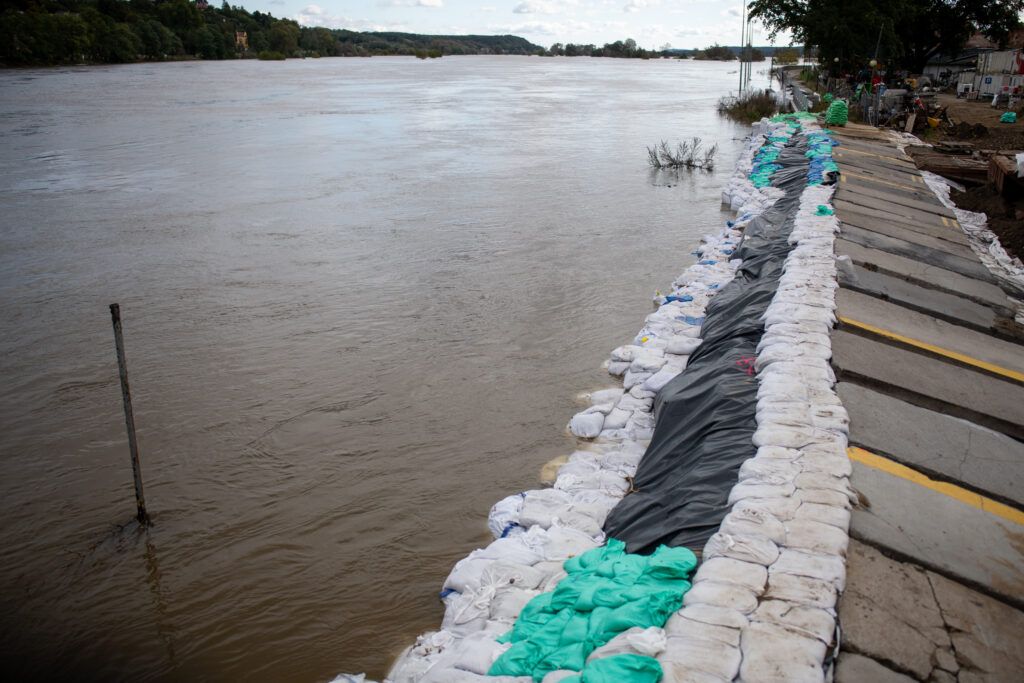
[(43, 32)]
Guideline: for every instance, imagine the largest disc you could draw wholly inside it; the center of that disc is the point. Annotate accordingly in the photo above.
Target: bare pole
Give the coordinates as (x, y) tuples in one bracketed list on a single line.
[(129, 418), (743, 41)]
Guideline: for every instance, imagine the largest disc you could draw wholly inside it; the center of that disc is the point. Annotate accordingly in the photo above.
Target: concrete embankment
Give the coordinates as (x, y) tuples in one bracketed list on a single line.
[(930, 365), (872, 367)]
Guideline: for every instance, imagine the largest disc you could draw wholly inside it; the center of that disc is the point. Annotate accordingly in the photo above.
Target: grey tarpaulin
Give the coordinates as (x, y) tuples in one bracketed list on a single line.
[(705, 416)]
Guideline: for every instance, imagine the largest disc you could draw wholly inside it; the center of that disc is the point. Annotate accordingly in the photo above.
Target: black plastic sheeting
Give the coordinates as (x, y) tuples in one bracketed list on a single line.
[(705, 416)]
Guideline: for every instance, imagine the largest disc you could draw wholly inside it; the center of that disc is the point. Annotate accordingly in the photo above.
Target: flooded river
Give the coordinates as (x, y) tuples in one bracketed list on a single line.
[(359, 296)]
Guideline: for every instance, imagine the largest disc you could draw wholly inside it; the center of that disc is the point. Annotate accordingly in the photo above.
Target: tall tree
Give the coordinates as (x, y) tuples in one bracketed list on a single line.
[(905, 33)]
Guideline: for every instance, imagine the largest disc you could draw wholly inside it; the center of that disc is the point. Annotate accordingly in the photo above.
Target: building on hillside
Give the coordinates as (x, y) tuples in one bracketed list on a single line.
[(241, 41)]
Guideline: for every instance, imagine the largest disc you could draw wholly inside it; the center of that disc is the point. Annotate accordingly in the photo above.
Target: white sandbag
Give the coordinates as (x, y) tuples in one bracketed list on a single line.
[(710, 656), (756, 549), (801, 590), (634, 379), (466, 613), (604, 396), (560, 675), (586, 424), (474, 653), (683, 346), (408, 668), (748, 575), (514, 549), (350, 678), (772, 653), (747, 517), (540, 506), (769, 470), (808, 534), (602, 480), (616, 419), (618, 368), (722, 595), (680, 625), (626, 353), (647, 642), (504, 513), (509, 601), (659, 379), (563, 543), (806, 621), (828, 568), (833, 515), (715, 616)]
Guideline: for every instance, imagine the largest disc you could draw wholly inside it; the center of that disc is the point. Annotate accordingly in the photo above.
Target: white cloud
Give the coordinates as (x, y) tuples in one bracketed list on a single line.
[(410, 3), (637, 5), (731, 12), (488, 9), (544, 6), (314, 10)]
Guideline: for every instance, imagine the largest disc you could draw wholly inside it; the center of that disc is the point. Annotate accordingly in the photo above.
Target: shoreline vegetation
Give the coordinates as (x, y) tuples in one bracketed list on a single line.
[(59, 32)]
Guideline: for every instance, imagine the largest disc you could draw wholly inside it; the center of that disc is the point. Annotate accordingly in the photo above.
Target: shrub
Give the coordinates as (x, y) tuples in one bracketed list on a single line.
[(270, 55), (685, 155), (751, 106)]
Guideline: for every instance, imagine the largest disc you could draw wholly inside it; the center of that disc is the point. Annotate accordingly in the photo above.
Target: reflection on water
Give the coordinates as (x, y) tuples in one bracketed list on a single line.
[(358, 298)]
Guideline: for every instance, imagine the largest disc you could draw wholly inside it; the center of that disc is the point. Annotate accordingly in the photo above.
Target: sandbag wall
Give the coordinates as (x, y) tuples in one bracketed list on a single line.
[(725, 412)]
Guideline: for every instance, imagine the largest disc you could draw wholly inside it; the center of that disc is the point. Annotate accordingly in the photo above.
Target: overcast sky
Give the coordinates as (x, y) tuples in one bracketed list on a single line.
[(651, 23)]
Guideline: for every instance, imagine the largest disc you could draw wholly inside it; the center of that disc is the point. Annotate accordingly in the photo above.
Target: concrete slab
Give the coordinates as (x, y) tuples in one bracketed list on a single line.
[(848, 157), (954, 309), (923, 273), (939, 445), (888, 613), (938, 531), (883, 151), (986, 633), (930, 383), (930, 330), (851, 668), (942, 253), (876, 195), (907, 186), (907, 219)]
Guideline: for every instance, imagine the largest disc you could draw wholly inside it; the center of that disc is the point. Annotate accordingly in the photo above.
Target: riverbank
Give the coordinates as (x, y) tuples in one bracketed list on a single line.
[(764, 602)]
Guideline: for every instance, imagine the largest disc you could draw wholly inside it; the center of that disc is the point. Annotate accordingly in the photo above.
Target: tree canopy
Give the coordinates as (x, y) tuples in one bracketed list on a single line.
[(42, 32), (906, 33)]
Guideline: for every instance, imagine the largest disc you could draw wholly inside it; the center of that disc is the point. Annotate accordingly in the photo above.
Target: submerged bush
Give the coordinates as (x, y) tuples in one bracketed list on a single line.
[(751, 106), (685, 155)]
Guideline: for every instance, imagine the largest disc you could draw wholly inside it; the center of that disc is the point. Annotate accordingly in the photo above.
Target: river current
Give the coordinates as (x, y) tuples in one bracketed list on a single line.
[(359, 298)]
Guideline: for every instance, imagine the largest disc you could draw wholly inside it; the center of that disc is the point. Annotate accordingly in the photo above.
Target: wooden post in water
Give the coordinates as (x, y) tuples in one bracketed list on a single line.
[(129, 418)]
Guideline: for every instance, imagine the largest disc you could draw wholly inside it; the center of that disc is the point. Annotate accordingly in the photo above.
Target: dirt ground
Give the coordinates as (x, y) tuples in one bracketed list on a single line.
[(1005, 216)]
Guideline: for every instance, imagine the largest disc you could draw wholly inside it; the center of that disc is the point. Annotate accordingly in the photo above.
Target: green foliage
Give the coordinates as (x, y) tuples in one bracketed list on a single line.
[(753, 105), (787, 56), (41, 32), (270, 55), (907, 33), (715, 52)]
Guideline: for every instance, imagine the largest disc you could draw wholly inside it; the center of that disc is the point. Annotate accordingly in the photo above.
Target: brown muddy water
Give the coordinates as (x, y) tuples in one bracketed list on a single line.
[(359, 297)]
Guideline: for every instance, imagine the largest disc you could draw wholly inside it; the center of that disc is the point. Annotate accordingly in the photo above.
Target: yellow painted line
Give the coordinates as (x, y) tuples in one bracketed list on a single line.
[(1005, 372), (945, 221), (945, 488), (839, 151), (879, 180)]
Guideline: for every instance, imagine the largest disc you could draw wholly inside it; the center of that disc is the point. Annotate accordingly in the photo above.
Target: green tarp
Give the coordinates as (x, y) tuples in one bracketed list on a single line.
[(606, 592)]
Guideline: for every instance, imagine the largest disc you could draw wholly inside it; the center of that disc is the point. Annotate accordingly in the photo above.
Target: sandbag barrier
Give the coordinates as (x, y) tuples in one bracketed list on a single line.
[(537, 530), (762, 606)]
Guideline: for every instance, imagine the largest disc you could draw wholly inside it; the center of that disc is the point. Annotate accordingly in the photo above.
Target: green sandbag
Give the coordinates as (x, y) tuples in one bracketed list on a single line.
[(607, 591), (828, 98), (836, 113), (1008, 117), (619, 668)]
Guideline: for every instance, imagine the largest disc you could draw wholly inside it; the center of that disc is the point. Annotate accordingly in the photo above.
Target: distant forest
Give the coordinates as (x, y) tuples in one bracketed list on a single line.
[(42, 32), (47, 32)]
